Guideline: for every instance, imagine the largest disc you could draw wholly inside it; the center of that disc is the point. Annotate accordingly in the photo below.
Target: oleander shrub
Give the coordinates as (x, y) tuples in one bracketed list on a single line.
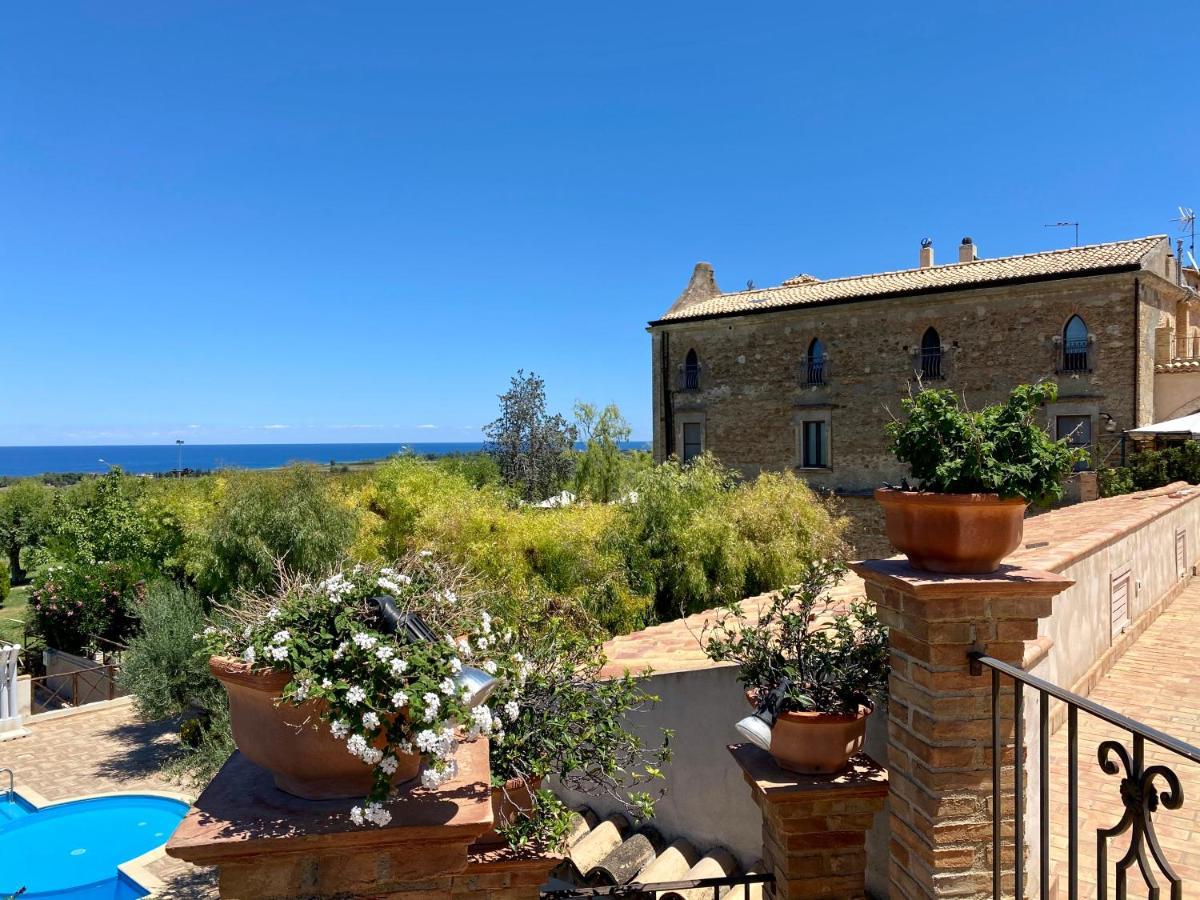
[(74, 602)]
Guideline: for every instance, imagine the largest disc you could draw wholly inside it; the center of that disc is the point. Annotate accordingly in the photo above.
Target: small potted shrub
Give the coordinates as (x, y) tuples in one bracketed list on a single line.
[(827, 666), (337, 703), (977, 472), (555, 716)]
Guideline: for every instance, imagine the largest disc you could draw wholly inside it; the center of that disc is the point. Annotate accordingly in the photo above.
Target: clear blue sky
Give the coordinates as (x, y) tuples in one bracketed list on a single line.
[(358, 219)]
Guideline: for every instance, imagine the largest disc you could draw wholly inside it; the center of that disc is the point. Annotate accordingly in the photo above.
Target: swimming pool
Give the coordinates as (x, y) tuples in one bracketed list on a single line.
[(72, 850)]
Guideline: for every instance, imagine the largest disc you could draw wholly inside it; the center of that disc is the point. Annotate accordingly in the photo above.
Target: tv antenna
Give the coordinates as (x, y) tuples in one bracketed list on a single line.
[(1074, 225), (1187, 223)]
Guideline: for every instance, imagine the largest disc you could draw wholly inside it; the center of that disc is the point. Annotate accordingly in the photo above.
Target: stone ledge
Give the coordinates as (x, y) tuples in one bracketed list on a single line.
[(242, 817), (1008, 580), (864, 778)]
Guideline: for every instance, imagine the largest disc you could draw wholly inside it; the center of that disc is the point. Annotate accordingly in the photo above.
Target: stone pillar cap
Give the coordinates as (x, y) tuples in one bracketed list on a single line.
[(863, 778), (242, 814), (1008, 580)]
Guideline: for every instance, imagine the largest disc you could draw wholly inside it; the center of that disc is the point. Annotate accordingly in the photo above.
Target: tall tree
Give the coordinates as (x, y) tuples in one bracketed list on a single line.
[(531, 447), (600, 472), (24, 521)]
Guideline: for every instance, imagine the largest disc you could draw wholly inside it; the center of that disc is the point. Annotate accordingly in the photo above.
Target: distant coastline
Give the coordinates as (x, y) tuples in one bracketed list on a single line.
[(148, 459)]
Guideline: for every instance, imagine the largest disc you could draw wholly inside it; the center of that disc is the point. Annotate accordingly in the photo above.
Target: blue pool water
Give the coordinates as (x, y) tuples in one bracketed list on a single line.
[(72, 850)]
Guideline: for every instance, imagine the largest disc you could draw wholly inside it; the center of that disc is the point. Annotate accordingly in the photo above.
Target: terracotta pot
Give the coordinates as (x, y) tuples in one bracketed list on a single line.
[(292, 742), (814, 743), (967, 534), (514, 799)]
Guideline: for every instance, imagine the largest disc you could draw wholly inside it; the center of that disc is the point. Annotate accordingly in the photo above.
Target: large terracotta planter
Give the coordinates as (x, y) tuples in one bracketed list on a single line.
[(814, 743), (955, 533), (292, 742), (514, 799)]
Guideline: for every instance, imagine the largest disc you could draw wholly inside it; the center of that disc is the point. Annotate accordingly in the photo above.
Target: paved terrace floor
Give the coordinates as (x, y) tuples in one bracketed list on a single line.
[(1157, 682), (101, 752)]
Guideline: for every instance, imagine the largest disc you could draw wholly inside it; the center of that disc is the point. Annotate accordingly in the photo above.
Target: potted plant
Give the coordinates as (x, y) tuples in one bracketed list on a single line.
[(827, 666), (977, 472), (556, 716), (327, 693)]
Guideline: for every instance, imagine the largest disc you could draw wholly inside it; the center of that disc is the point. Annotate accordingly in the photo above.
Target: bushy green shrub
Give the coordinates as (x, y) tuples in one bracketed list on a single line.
[(5, 582), (165, 668), (75, 602), (1001, 449), (294, 515), (1147, 469)]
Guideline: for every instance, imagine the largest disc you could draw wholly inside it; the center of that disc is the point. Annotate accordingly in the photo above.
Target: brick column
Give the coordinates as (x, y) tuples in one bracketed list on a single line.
[(939, 715), (814, 826), (269, 845)]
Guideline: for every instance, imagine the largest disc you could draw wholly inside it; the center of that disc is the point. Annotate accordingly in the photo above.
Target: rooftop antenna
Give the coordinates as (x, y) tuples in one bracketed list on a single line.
[(1066, 225), (1187, 222)]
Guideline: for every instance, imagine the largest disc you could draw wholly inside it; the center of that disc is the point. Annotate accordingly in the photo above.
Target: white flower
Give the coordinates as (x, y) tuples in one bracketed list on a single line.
[(356, 745), (340, 651), (481, 721), (464, 648), (385, 653), (398, 666), (455, 665), (387, 571), (512, 710), (356, 815), (389, 764), (403, 579), (372, 755), (281, 637), (377, 815), (388, 585), (486, 623), (497, 737), (326, 683), (370, 719), (355, 695), (278, 653), (449, 596), (302, 690), (482, 643), (248, 655), (274, 612), (339, 729), (246, 632), (404, 747), (490, 667), (432, 704), (399, 700), (448, 687), (465, 693), (210, 630), (517, 657), (365, 641), (427, 740), (425, 553)]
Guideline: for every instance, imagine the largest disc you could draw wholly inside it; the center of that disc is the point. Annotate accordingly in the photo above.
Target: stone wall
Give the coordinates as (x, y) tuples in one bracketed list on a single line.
[(751, 399)]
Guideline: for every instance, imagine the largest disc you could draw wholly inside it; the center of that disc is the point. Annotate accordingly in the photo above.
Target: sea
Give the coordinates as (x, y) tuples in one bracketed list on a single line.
[(150, 458)]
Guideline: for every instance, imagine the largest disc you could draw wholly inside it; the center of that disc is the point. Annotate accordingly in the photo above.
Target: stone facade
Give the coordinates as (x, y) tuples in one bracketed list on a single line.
[(746, 399)]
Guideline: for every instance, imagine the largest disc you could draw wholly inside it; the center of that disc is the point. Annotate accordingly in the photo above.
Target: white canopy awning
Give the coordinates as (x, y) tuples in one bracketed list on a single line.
[(1184, 426)]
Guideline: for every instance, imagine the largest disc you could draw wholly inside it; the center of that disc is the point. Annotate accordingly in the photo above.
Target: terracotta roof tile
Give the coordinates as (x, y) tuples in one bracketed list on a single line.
[(803, 290)]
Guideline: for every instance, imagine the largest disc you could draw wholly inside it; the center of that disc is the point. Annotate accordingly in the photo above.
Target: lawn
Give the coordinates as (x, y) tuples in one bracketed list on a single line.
[(12, 615)]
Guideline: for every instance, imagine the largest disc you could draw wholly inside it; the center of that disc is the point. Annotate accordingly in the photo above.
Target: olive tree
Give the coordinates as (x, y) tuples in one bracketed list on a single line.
[(531, 447)]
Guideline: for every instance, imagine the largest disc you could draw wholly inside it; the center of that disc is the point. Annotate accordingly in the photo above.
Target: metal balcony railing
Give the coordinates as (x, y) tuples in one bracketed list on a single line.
[(648, 890), (1075, 357), (1142, 790), (689, 378), (814, 370), (930, 364)]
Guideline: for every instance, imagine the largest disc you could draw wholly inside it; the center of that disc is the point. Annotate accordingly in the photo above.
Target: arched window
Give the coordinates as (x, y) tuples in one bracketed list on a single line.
[(1075, 345), (814, 363), (931, 354), (691, 371)]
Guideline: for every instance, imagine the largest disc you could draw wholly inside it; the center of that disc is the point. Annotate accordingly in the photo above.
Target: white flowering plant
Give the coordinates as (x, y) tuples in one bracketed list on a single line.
[(385, 696)]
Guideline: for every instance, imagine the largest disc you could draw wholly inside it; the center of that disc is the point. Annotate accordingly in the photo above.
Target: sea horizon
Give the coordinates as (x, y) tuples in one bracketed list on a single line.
[(150, 459)]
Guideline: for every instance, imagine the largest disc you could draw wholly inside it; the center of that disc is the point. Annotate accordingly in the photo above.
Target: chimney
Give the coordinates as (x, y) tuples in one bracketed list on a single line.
[(703, 286), (927, 253), (967, 251)]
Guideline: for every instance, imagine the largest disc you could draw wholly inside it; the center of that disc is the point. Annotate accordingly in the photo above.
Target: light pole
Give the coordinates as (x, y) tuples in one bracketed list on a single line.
[(179, 465)]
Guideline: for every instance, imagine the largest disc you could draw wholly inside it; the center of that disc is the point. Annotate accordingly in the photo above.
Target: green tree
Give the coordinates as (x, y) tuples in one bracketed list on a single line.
[(24, 521), (294, 515), (99, 521), (531, 447), (600, 470)]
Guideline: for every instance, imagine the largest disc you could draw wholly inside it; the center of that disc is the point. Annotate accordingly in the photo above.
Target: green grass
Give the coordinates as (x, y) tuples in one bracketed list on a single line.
[(12, 615)]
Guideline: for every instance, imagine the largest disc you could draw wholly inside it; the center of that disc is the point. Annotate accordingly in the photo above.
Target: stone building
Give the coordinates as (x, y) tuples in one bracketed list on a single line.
[(803, 376)]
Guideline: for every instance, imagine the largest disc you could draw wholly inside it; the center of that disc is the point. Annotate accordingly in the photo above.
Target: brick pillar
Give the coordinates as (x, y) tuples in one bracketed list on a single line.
[(814, 826), (269, 845), (939, 715)]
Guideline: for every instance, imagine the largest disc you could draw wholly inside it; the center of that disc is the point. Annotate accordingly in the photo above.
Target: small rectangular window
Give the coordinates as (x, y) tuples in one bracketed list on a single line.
[(814, 445), (693, 440)]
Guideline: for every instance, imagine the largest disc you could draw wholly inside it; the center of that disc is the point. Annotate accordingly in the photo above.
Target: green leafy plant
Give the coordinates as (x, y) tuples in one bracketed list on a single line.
[(835, 658), (1151, 468), (562, 717), (1000, 449), (75, 602)]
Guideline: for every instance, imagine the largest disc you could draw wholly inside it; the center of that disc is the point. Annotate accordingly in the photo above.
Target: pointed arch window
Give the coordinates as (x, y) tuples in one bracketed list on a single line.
[(689, 376), (1075, 346), (931, 355), (815, 365)]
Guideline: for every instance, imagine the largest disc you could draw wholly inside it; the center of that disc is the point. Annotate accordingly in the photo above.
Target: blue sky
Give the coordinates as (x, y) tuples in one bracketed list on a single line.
[(300, 221)]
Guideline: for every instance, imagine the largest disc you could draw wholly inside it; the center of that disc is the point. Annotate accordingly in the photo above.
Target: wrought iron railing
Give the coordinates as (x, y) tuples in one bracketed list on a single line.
[(75, 688), (1140, 792), (814, 370), (1075, 356), (929, 362), (636, 890), (689, 378)]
